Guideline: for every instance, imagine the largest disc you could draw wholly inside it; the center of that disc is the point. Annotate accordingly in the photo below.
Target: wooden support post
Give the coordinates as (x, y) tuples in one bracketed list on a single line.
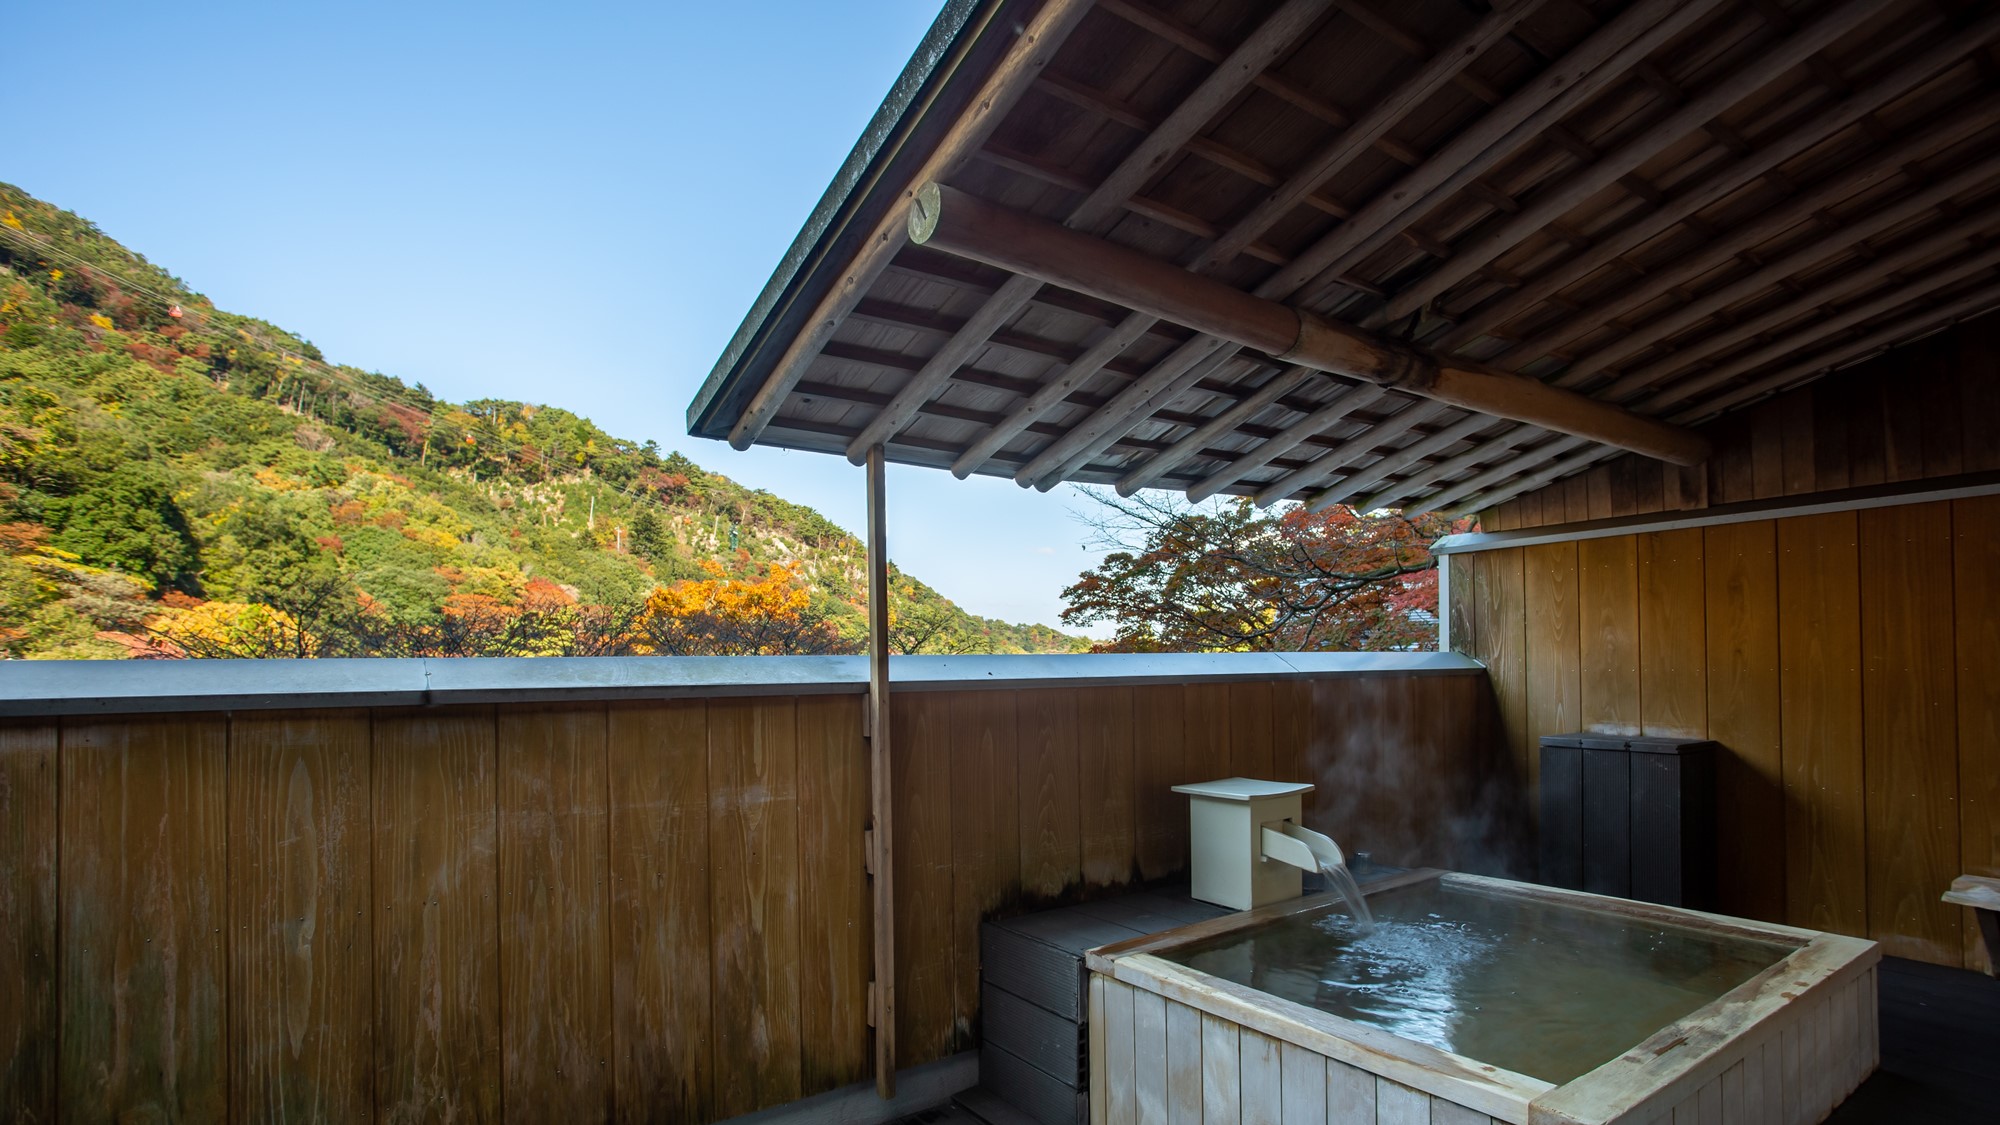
[(950, 220), (883, 992)]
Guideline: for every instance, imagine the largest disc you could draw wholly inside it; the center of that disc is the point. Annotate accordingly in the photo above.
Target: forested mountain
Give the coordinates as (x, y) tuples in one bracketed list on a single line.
[(178, 480)]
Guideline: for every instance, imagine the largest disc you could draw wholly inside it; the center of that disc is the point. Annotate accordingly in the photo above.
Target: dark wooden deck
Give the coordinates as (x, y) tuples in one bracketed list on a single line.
[(1940, 1049), (1940, 1053)]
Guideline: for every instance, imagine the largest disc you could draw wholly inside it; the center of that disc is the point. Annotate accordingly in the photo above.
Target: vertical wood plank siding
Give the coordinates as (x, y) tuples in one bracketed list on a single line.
[(1845, 662), (624, 911)]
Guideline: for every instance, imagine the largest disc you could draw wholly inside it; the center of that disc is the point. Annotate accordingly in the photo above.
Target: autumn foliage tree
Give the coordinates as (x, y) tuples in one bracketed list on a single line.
[(770, 615), (1229, 578)]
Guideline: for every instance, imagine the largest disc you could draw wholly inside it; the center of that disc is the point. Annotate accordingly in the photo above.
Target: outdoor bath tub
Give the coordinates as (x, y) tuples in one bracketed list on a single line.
[(1288, 1013)]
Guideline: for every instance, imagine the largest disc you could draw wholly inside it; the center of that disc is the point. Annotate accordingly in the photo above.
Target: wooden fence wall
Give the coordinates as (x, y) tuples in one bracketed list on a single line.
[(602, 911), (1849, 663)]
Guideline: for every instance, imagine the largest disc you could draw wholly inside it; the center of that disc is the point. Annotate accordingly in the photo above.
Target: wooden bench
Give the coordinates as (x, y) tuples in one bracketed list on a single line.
[(1983, 896)]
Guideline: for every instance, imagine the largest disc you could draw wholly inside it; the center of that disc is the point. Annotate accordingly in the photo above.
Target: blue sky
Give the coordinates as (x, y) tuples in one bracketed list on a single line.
[(571, 204)]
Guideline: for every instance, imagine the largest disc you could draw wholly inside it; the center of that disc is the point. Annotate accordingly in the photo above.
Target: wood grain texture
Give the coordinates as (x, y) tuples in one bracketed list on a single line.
[(29, 1019), (1292, 723), (985, 850), (555, 924), (1221, 1070), (1121, 1095), (1608, 634), (1110, 841), (1263, 1084), (1976, 586), (1051, 809), (301, 972), (1184, 1094), (143, 900), (1672, 690), (753, 856), (1252, 749), (1503, 640), (922, 862), (1303, 1075), (1149, 1056), (1159, 763), (1909, 702), (657, 769), (437, 971), (1208, 750), (1819, 670), (1553, 655), (1464, 636), (835, 915), (1744, 704)]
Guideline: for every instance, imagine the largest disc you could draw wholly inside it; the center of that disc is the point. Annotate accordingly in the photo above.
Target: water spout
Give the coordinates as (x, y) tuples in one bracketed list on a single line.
[(1307, 850)]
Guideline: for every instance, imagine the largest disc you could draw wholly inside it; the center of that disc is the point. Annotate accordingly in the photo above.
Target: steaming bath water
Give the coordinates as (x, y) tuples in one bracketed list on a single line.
[(1543, 989)]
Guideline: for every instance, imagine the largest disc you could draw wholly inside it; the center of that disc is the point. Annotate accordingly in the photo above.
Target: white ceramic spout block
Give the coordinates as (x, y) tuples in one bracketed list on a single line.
[(1225, 833)]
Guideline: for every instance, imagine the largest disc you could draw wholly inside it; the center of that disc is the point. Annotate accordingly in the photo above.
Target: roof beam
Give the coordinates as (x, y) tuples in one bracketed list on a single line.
[(1032, 50), (1561, 198), (1416, 413), (1790, 142), (1101, 207), (968, 226)]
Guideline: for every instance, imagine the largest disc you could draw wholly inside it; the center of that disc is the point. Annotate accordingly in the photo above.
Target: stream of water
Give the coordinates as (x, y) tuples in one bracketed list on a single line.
[(1341, 879)]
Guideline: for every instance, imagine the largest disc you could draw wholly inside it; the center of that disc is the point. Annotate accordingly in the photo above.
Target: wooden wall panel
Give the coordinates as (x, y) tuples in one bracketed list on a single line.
[(1503, 640), (1819, 718), (1976, 585), (1051, 809), (1208, 749), (1744, 703), (1159, 762), (1104, 731), (1292, 736), (657, 781), (836, 951), (1673, 693), (922, 812), (1552, 673), (555, 961), (986, 828), (1459, 608), (436, 925), (29, 1024), (1252, 751), (301, 1001), (143, 899), (753, 856), (1607, 598), (1909, 706)]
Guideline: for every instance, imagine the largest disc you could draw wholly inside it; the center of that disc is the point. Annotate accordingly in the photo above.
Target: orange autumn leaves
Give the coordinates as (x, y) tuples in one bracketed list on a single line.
[(722, 616)]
